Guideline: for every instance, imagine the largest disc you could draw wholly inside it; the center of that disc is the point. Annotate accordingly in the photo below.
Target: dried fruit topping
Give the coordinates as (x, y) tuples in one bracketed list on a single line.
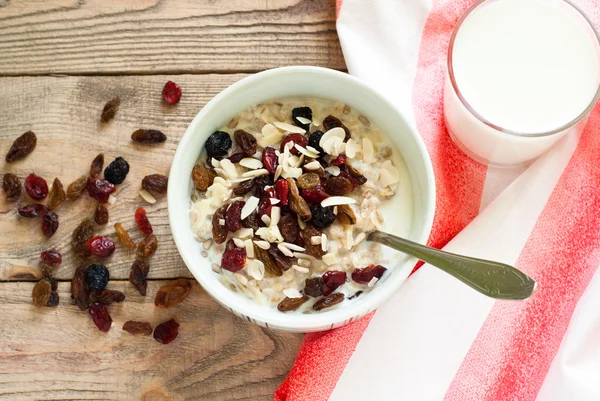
[(295, 138), (331, 122), (76, 188), (116, 171), (36, 187), (101, 215), (81, 235), (96, 276), (365, 275), (322, 217), (148, 136), (265, 206), (270, 266), (314, 250), (202, 177), (329, 301), (141, 219), (314, 139), (356, 295), (345, 214), (282, 188), (172, 293), (171, 93), (303, 112), (97, 165), (253, 221), (106, 297), (156, 183), (308, 181), (147, 246), (137, 328), (124, 236), (101, 247), (51, 257), (21, 147), (297, 203), (243, 187), (138, 274), (237, 157), (110, 109), (260, 183), (340, 160), (270, 159), (352, 172), (234, 258), (41, 293), (99, 189), (218, 144), (313, 287), (100, 316), (54, 299), (315, 195), (288, 226), (11, 186), (233, 216), (219, 231), (49, 224), (332, 280), (79, 288), (291, 304), (166, 332), (33, 210), (57, 195), (246, 142), (283, 262)]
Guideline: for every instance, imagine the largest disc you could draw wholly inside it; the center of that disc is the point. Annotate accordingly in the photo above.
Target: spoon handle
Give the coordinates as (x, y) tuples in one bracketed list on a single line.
[(496, 280)]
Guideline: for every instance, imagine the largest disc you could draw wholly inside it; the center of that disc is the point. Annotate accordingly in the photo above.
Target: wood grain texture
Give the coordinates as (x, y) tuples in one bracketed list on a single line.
[(165, 36), (58, 353)]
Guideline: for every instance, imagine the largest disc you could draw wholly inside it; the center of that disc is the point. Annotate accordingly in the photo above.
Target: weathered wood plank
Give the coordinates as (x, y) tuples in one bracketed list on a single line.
[(165, 36), (216, 356)]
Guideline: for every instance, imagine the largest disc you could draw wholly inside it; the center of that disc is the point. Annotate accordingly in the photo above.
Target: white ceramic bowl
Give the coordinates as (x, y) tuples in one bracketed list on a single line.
[(286, 82)]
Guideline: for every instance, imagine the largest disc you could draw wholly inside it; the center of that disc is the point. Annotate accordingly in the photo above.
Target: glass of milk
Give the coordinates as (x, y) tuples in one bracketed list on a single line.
[(521, 75)]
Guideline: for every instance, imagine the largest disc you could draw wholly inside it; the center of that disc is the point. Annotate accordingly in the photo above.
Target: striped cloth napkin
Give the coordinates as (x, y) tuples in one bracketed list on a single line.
[(437, 339)]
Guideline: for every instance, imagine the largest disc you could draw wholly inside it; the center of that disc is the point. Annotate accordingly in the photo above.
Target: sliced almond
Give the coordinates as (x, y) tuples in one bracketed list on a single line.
[(373, 281), (289, 128), (244, 233), (229, 168), (301, 269), (239, 243), (250, 206), (329, 259), (265, 219), (293, 160), (275, 215), (268, 129), (274, 201), (306, 152), (385, 178), (278, 171), (272, 139), (292, 172), (368, 151), (359, 238), (256, 269), (333, 170), (349, 239), (352, 148), (315, 240), (285, 250), (324, 242), (337, 200), (256, 173), (303, 120), (314, 165), (214, 162), (147, 196), (262, 244), (251, 163), (301, 255), (292, 293), (249, 248), (293, 247), (337, 132)]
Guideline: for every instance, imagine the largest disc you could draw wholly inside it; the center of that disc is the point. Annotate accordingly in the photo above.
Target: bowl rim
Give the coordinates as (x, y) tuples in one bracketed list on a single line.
[(317, 321)]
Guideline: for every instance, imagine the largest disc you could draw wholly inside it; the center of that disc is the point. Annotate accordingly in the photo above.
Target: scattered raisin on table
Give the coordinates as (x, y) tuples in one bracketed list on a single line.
[(296, 139), (33, 210), (314, 139), (233, 216), (156, 183), (21, 147), (101, 215), (322, 217), (41, 293), (166, 332), (100, 316), (12, 187), (296, 202), (106, 297), (99, 189), (76, 188), (314, 250), (313, 287), (247, 142), (345, 214), (137, 328), (49, 224), (331, 122), (81, 235), (338, 185), (171, 93), (124, 236), (116, 171), (147, 246), (138, 274), (54, 299), (332, 280), (79, 289), (173, 293), (57, 195), (270, 159), (96, 276), (304, 112), (270, 266), (100, 246), (148, 136), (365, 275), (141, 219), (218, 144), (96, 166), (110, 109), (329, 301), (291, 304), (51, 257), (202, 177), (36, 187), (219, 231)]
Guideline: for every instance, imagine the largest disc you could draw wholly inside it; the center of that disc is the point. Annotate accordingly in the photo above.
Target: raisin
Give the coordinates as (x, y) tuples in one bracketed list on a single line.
[(218, 144), (99, 189), (96, 276), (233, 216), (243, 187), (332, 280), (156, 183), (116, 171), (101, 215), (313, 287), (234, 258), (51, 257), (110, 109), (147, 246), (315, 195), (36, 187), (171, 93), (345, 214), (322, 217), (237, 157), (288, 226), (329, 301), (338, 186), (41, 293), (57, 195), (304, 112), (173, 293), (282, 188), (202, 177), (166, 332), (49, 224), (219, 231), (314, 250), (33, 210), (365, 275), (291, 304), (283, 262), (124, 236), (270, 159), (360, 179), (141, 219), (79, 288), (106, 297), (100, 316), (81, 235), (76, 188), (308, 181), (297, 203), (314, 139), (137, 275), (270, 266), (246, 141), (260, 183), (148, 136), (21, 147), (331, 122), (101, 247), (296, 139), (54, 299), (252, 221), (96, 166), (12, 187), (51, 280), (137, 328)]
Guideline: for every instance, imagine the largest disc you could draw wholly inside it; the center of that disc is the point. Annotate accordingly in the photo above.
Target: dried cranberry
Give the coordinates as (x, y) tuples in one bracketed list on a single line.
[(282, 189), (338, 161), (233, 216), (171, 92), (234, 258), (99, 189), (295, 138), (101, 318), (332, 280), (142, 221), (265, 206), (166, 332), (33, 210), (314, 195), (236, 157), (36, 187), (49, 224), (101, 247), (364, 276), (270, 159), (51, 257)]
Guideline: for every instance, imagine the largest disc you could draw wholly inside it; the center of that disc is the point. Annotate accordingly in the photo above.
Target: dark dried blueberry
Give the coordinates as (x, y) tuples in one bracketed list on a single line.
[(116, 171), (49, 224), (304, 112), (96, 276), (322, 217), (54, 299), (314, 140), (313, 287), (12, 187), (218, 144)]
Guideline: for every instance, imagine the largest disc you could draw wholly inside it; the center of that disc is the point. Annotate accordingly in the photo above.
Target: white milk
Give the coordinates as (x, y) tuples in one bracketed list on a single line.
[(528, 66)]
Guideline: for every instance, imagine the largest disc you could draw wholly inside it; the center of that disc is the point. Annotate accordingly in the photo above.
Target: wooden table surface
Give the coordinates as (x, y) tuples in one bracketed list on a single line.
[(61, 61)]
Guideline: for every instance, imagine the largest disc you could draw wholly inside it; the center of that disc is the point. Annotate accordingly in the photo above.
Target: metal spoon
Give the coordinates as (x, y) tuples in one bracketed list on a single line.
[(496, 280)]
